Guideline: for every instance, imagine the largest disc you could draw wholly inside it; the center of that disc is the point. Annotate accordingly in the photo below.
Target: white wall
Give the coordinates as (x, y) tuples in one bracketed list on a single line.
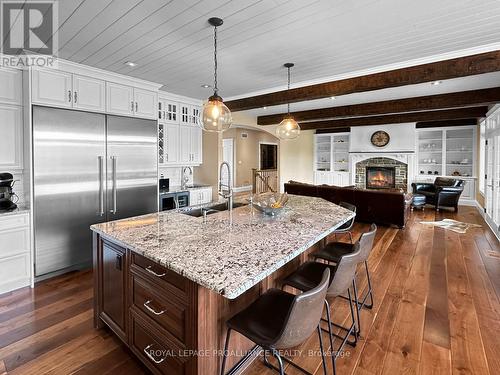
[(297, 158), (403, 138)]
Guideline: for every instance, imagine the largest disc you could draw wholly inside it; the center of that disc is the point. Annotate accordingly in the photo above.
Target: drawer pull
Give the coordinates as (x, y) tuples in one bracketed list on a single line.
[(148, 268), (146, 305), (151, 357)]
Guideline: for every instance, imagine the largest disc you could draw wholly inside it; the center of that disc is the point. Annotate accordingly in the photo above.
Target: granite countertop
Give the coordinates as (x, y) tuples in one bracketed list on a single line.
[(21, 209), (228, 259)]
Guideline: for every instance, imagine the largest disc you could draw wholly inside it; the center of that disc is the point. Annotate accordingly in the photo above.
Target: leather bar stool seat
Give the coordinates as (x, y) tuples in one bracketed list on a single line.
[(308, 275), (333, 251), (263, 320)]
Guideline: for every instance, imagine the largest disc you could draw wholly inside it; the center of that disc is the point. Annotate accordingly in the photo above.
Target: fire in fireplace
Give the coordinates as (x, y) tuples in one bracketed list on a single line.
[(380, 177)]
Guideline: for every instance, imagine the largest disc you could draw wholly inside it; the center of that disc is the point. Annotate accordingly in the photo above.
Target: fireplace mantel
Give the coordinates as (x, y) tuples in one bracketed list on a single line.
[(407, 158)]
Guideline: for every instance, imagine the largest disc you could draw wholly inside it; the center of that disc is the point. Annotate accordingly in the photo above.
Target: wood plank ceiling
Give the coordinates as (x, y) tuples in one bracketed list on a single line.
[(171, 41)]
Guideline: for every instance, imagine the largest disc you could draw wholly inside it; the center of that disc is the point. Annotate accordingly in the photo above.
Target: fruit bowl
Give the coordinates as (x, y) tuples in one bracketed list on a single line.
[(270, 203)]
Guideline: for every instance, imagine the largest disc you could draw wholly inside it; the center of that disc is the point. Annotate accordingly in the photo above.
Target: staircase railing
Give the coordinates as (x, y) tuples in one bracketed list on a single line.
[(264, 180)]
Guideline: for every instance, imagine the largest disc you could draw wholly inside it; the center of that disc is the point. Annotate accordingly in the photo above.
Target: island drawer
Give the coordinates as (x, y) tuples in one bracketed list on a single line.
[(161, 307), (159, 274), (160, 356)]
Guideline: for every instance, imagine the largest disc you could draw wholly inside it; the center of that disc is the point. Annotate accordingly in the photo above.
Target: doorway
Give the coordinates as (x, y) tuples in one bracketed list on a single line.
[(268, 156)]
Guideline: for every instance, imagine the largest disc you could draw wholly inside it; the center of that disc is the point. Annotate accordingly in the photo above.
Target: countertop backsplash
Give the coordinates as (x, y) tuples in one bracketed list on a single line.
[(175, 175)]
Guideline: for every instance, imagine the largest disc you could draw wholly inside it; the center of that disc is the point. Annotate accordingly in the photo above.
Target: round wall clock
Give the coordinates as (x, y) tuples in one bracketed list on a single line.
[(380, 138)]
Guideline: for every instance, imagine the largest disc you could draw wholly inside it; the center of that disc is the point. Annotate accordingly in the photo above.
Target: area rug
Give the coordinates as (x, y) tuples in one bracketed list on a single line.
[(455, 226)]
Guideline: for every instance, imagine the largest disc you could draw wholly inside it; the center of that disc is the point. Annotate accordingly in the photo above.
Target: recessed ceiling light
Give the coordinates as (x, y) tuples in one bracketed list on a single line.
[(130, 63), (205, 86), (264, 107), (435, 83), (333, 97)]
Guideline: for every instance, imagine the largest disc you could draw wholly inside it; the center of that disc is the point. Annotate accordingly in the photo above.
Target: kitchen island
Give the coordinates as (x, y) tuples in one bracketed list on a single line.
[(165, 283)]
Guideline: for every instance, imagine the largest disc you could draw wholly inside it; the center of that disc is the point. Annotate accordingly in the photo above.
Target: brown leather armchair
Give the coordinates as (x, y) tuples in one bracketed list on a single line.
[(444, 192)]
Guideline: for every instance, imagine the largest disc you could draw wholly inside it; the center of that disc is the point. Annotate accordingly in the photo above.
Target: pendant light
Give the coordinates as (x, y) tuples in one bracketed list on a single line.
[(288, 128), (215, 116)]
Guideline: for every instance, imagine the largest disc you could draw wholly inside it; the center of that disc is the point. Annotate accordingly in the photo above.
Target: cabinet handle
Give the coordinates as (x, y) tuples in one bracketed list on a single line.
[(146, 305), (76, 97), (69, 96), (136, 107), (118, 262), (132, 106), (166, 157), (148, 268), (157, 361)]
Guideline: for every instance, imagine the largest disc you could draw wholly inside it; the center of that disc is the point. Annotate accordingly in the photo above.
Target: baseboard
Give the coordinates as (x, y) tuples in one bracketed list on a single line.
[(480, 209), (240, 189)]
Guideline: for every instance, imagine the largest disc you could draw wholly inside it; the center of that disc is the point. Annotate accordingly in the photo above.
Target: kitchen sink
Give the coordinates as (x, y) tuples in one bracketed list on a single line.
[(198, 212)]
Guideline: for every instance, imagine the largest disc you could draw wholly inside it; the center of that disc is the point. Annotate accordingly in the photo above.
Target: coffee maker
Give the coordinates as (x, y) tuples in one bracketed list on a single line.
[(8, 198)]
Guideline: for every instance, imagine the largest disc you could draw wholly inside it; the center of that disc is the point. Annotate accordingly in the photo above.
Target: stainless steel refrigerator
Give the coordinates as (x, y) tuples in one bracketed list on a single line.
[(88, 168)]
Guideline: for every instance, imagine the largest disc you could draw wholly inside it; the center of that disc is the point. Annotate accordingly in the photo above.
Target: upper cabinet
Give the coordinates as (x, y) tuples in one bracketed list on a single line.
[(11, 128), (52, 88), (168, 111), (11, 86), (185, 114), (130, 101), (120, 99), (89, 94), (61, 89)]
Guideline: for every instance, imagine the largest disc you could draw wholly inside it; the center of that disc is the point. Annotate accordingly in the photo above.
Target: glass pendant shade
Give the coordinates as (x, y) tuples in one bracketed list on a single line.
[(215, 116), (288, 128)]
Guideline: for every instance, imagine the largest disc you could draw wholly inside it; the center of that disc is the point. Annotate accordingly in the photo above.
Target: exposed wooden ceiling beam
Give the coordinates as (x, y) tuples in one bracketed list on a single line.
[(472, 98), (447, 114), (445, 123), (441, 70)]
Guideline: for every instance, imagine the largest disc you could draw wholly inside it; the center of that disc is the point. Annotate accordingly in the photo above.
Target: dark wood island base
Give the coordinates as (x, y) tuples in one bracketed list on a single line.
[(173, 325)]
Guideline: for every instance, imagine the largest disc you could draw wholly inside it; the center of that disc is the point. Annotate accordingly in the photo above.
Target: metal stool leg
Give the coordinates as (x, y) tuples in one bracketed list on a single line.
[(370, 292), (224, 355), (330, 334), (355, 289), (278, 357)]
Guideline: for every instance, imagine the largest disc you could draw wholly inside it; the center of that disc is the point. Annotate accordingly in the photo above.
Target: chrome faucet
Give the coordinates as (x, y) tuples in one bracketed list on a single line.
[(185, 177), (226, 191)]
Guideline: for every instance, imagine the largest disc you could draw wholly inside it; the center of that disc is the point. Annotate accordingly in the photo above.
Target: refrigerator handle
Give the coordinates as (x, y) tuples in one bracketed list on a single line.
[(113, 176), (101, 185)]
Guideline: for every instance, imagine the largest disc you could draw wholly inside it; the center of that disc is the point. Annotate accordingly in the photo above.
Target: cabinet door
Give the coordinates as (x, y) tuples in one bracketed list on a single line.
[(195, 135), (11, 129), (145, 103), (53, 88), (194, 197), (113, 286), (171, 144), (194, 115), (207, 195), (171, 112), (185, 144), (185, 114), (119, 99), (89, 94), (11, 86)]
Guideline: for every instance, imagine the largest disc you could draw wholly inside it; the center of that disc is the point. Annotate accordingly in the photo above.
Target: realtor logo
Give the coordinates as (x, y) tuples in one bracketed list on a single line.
[(28, 32)]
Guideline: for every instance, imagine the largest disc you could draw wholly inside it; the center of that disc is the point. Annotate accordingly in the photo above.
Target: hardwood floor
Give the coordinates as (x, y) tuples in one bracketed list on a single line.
[(437, 311)]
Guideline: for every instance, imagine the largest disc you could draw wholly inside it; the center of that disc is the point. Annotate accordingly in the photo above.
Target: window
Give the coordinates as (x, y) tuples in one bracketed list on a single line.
[(482, 161), (268, 156)]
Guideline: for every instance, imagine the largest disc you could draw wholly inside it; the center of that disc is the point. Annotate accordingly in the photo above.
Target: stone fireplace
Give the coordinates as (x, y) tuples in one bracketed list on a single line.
[(381, 171), (380, 177)]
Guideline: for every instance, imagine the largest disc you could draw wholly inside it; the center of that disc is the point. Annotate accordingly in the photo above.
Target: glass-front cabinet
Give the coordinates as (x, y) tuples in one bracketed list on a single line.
[(331, 160), (449, 152)]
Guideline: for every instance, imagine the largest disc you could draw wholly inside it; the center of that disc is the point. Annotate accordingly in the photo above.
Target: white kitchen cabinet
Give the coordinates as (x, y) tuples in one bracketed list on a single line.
[(168, 111), (185, 144), (195, 115), (145, 103), (185, 114), (52, 88), (195, 145), (89, 94), (11, 129), (200, 196), (119, 99), (15, 259), (340, 178), (11, 86), (171, 144)]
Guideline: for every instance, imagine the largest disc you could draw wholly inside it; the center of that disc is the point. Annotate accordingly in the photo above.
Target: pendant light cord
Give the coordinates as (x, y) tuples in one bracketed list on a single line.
[(288, 92), (216, 89)]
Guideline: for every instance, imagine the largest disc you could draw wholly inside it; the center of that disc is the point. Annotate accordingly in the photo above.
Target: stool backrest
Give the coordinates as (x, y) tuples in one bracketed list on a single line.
[(366, 242), (349, 224), (344, 274), (304, 316)]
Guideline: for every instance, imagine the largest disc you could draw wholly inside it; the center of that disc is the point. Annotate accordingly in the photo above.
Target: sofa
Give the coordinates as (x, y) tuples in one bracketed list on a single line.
[(444, 192), (385, 207)]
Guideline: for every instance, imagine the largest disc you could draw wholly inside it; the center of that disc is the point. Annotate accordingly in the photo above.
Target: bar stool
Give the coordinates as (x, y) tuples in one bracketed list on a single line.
[(342, 279), (346, 227), (279, 320), (335, 251)]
